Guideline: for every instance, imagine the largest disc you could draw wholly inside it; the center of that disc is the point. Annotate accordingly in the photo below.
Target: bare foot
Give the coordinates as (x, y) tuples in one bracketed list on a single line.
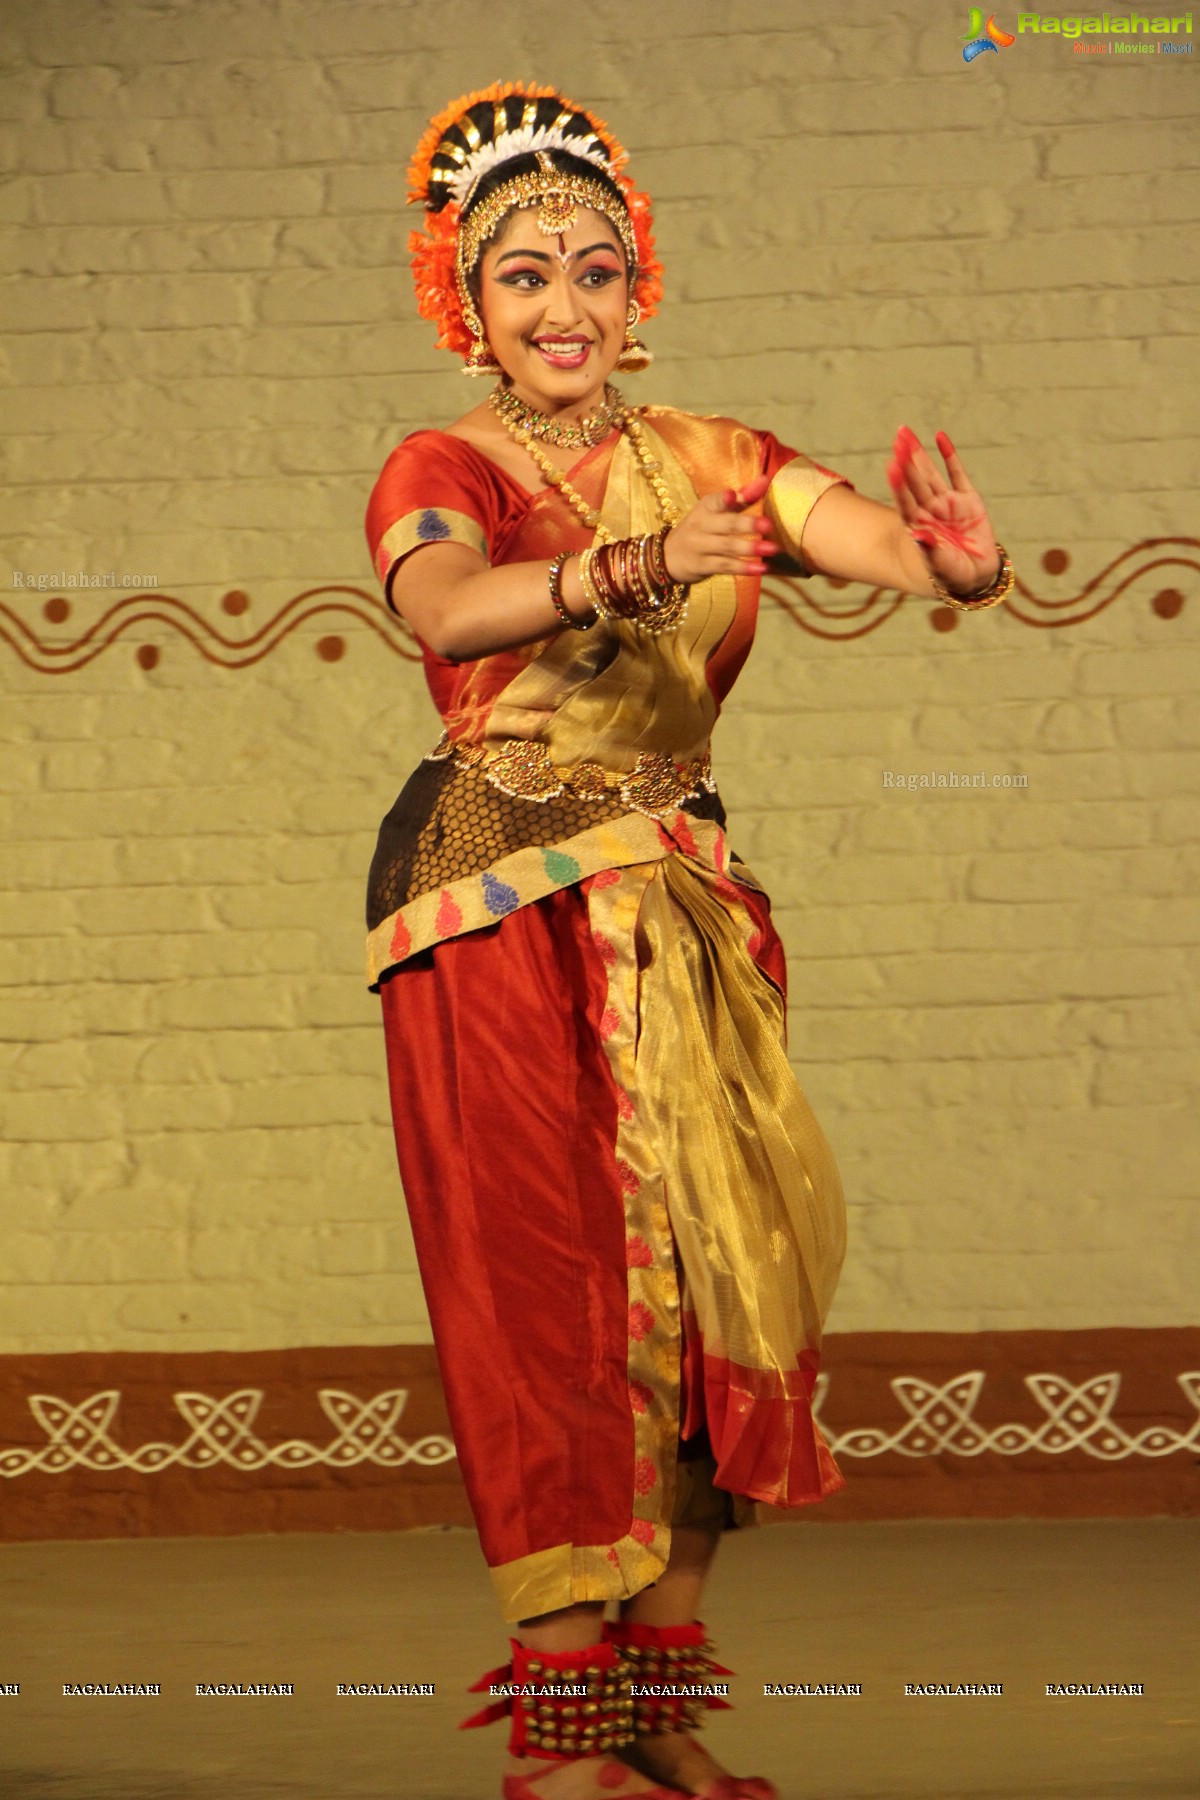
[(586, 1778), (681, 1762)]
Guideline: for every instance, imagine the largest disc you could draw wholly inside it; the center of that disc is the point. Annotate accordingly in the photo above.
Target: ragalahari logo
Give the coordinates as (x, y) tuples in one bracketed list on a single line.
[(984, 37)]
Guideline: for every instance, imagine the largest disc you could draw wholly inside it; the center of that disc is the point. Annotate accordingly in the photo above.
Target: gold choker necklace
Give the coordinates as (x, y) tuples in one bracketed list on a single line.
[(581, 434)]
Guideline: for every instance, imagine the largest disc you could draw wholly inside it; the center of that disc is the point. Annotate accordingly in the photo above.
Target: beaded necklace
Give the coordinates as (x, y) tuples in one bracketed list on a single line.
[(648, 467)]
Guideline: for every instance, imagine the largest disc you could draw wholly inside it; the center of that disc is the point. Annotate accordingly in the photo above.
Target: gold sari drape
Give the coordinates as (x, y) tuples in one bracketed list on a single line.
[(753, 1192)]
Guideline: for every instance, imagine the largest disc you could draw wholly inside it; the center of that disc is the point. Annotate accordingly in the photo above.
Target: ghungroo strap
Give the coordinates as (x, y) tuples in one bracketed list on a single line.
[(672, 1675), (563, 1704)]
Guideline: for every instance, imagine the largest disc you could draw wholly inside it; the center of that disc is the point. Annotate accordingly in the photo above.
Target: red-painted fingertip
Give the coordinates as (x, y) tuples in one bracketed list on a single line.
[(944, 445)]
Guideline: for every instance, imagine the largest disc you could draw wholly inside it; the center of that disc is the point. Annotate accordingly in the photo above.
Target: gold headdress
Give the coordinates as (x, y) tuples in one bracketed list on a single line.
[(475, 135)]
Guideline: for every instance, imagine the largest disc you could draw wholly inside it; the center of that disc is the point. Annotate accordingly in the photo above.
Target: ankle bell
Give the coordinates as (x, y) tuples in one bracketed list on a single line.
[(563, 1704), (672, 1675)]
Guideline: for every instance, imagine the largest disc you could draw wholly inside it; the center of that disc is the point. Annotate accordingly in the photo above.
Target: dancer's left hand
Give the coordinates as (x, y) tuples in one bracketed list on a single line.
[(946, 518)]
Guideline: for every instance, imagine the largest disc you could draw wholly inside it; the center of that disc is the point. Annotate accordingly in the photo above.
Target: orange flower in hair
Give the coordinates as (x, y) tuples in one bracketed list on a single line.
[(433, 264)]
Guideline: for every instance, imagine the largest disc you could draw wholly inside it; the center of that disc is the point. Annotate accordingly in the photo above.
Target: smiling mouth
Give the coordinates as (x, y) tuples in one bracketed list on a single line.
[(567, 353)]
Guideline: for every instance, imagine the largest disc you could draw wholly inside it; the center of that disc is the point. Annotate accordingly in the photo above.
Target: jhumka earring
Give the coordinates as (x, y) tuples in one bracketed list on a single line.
[(634, 354), (480, 357)]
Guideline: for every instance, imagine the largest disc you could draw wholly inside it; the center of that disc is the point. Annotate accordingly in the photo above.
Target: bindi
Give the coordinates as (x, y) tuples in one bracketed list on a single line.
[(562, 254)]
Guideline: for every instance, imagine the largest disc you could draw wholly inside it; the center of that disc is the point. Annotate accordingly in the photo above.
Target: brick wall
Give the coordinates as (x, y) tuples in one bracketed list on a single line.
[(211, 345)]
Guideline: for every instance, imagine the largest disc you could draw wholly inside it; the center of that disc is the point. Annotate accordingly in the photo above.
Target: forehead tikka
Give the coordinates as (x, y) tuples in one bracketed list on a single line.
[(558, 211)]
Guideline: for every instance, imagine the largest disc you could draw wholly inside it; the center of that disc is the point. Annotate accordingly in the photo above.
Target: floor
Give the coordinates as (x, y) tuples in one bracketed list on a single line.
[(1024, 1604)]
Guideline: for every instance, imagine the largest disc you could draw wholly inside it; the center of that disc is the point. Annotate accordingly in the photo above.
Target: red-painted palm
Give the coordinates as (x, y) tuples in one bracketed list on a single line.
[(946, 517)]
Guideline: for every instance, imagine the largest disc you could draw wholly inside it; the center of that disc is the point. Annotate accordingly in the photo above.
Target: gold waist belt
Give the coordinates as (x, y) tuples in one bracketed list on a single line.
[(655, 784)]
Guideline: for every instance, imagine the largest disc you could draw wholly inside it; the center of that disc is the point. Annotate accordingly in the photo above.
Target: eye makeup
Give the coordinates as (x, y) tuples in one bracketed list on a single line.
[(606, 267), (510, 277)]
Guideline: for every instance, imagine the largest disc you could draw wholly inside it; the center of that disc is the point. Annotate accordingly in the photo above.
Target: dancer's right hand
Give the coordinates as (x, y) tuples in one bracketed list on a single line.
[(722, 536)]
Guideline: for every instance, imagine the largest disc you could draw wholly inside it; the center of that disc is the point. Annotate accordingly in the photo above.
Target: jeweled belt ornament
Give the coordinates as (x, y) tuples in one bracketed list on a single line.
[(523, 769)]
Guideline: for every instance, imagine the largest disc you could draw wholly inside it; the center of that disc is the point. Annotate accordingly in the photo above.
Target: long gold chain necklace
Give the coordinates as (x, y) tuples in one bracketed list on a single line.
[(648, 465), (574, 434)]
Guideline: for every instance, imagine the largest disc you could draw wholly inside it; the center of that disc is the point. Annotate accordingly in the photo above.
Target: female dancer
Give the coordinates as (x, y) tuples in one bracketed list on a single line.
[(628, 1222)]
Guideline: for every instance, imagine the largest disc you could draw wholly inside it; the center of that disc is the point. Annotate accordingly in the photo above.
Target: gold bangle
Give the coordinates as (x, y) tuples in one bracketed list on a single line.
[(668, 614), (988, 596), (640, 585), (658, 560), (591, 591)]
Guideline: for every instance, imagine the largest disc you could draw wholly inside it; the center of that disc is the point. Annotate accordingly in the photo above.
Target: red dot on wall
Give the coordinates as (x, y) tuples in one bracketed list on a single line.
[(944, 618), (57, 610), (1168, 603), (235, 602), (147, 655), (1055, 561), (331, 649)]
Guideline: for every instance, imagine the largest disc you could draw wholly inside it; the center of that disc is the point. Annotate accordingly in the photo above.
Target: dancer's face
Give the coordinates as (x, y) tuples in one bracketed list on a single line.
[(554, 308)]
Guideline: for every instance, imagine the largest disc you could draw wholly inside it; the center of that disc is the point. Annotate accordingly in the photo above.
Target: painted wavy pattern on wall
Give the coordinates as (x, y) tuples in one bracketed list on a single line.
[(126, 620), (1154, 568), (1153, 571)]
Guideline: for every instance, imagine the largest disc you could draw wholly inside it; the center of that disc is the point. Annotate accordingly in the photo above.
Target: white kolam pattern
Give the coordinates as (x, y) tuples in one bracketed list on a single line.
[(222, 1431), (939, 1421)]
